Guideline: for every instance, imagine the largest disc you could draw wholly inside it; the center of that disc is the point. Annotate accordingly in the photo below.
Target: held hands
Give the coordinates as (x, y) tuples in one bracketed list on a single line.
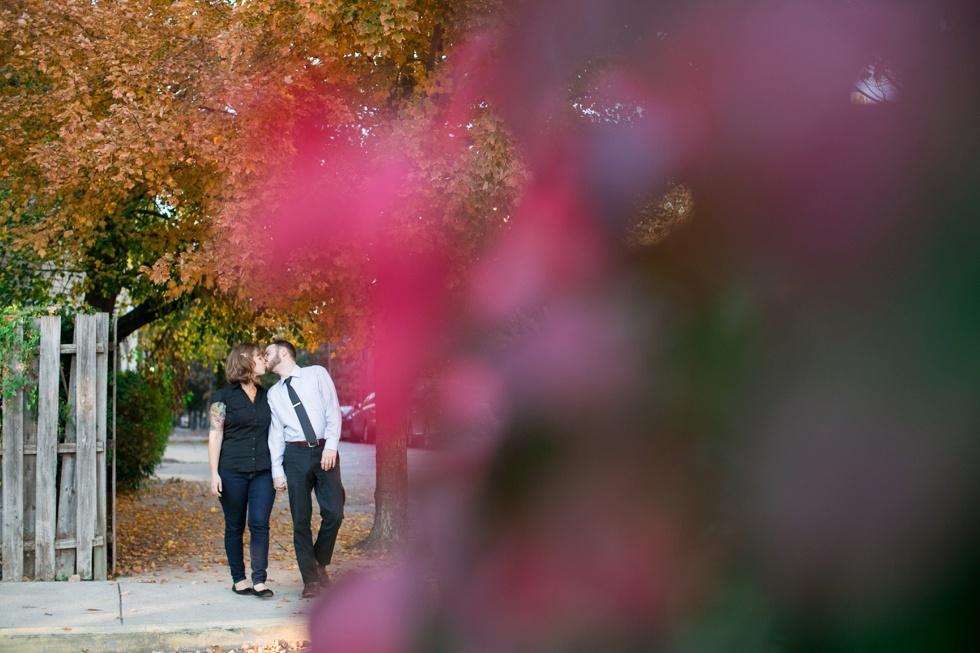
[(279, 484), (215, 485), (329, 459)]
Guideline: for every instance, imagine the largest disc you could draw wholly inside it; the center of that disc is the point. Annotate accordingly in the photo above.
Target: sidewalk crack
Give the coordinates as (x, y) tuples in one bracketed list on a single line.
[(122, 620)]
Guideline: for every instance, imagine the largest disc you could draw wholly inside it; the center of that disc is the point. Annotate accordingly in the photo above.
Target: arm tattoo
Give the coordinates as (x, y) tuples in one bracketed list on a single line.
[(217, 418)]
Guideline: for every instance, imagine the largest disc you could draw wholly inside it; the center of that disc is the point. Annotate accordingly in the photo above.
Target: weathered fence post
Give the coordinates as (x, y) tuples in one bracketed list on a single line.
[(49, 365), (30, 465), (100, 562), (67, 511), (86, 426), (13, 479)]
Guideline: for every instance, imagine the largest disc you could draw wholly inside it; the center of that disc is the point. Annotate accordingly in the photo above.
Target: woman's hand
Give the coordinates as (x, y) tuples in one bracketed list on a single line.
[(215, 485)]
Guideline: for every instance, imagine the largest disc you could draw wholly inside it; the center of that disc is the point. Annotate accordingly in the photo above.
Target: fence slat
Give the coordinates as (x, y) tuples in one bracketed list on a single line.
[(73, 349), (101, 561), (30, 469), (65, 544), (49, 364), (67, 510), (63, 447), (13, 482), (86, 482), (1, 494)]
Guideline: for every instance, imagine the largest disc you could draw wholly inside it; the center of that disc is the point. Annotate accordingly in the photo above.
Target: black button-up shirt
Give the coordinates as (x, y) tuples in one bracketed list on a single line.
[(245, 444)]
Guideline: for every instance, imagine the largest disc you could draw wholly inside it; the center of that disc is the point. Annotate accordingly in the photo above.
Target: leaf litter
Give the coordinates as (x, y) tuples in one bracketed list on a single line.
[(178, 523)]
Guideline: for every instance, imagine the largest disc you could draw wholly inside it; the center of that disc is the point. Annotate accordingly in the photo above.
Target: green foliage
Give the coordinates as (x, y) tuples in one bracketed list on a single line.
[(21, 280), (143, 423), (18, 342)]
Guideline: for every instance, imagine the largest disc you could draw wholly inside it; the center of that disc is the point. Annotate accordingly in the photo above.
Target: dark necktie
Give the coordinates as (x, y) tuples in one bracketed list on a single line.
[(304, 419)]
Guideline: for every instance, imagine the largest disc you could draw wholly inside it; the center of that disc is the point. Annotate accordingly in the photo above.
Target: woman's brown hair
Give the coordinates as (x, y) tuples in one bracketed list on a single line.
[(239, 367)]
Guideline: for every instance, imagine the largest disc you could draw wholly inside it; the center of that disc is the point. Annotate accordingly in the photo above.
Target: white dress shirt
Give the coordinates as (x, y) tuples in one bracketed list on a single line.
[(315, 389)]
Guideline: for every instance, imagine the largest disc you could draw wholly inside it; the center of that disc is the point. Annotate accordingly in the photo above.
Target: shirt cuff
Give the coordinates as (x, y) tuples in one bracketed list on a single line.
[(277, 472), (332, 444)]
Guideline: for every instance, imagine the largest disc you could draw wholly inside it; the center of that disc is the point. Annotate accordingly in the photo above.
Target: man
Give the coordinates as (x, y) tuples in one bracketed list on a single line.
[(303, 441)]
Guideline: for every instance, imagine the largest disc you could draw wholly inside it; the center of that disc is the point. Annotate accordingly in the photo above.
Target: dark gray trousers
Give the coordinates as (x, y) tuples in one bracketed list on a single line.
[(303, 477)]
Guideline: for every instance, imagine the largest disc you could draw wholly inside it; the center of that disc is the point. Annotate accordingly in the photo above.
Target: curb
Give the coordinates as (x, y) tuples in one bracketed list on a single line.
[(142, 639)]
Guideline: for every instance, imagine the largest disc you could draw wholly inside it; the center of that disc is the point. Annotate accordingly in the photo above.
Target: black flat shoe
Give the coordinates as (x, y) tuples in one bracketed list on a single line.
[(263, 594), (244, 592)]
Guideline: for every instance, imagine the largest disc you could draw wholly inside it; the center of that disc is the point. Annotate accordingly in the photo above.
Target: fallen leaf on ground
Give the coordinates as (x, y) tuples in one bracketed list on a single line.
[(176, 523)]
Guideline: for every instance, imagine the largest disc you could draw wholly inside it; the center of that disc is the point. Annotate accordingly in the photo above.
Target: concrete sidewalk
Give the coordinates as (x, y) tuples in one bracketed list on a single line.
[(169, 608), (138, 617)]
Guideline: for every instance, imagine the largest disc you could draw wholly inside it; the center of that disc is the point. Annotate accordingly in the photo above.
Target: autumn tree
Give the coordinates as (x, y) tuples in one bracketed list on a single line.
[(112, 152), (155, 147), (392, 202)]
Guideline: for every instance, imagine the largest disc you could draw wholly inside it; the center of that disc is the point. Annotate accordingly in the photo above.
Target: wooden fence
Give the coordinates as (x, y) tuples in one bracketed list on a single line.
[(54, 461)]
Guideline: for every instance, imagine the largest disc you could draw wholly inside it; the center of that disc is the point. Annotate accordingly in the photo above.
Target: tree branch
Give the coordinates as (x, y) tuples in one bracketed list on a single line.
[(147, 312), (201, 107), (435, 47), (77, 24), (150, 311), (874, 99)]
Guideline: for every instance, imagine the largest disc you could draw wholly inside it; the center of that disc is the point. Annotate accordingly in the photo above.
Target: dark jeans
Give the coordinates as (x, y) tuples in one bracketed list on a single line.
[(252, 495), (303, 476)]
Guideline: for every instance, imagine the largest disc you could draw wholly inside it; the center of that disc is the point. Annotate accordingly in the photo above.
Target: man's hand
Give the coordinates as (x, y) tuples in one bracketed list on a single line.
[(279, 484), (329, 459), (215, 485)]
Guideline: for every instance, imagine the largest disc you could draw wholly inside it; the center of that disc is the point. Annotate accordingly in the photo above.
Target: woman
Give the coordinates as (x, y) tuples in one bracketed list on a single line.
[(241, 467)]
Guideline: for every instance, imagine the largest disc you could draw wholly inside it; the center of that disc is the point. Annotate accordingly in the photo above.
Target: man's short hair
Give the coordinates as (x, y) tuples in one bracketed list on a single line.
[(288, 346)]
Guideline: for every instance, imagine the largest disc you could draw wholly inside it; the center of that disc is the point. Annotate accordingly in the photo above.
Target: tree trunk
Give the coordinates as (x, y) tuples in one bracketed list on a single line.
[(101, 299), (411, 306), (391, 463), (391, 485)]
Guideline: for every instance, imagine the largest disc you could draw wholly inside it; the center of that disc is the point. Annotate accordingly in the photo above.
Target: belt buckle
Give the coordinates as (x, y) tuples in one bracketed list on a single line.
[(312, 445)]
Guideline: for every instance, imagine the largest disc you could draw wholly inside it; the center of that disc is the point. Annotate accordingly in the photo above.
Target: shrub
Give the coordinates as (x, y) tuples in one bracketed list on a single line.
[(143, 425)]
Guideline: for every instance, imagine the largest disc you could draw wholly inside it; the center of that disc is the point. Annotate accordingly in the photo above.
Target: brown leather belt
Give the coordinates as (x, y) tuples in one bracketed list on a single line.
[(304, 443)]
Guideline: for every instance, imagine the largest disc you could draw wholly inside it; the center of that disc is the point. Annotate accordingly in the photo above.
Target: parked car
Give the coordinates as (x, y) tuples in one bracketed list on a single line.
[(364, 420), (345, 422), (422, 425), (420, 428)]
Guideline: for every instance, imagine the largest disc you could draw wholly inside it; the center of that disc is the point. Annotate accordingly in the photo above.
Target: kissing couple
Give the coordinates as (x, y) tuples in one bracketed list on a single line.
[(284, 439)]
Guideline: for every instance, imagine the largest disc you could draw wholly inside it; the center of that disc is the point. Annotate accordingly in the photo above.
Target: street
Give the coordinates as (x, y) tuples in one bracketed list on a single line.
[(186, 458)]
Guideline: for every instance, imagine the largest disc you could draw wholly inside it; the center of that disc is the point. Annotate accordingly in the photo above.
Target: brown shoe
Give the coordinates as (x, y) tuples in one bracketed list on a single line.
[(323, 579), (310, 591)]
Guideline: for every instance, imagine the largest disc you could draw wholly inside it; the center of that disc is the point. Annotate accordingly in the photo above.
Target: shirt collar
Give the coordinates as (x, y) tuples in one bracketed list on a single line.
[(258, 389), (295, 373)]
